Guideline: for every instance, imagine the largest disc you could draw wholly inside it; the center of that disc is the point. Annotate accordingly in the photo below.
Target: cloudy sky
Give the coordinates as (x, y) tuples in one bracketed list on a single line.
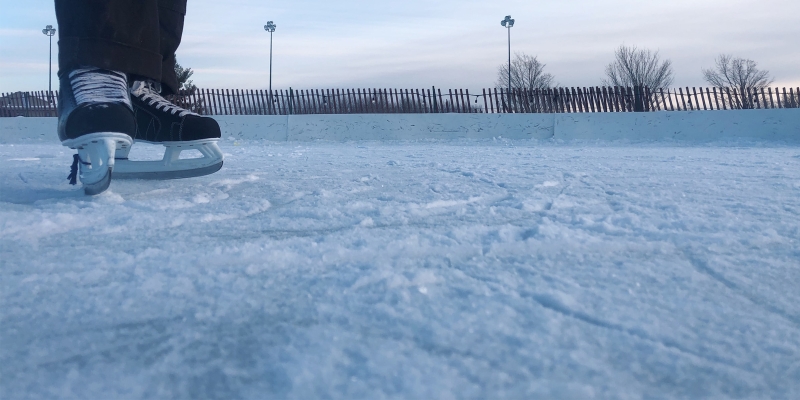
[(442, 43)]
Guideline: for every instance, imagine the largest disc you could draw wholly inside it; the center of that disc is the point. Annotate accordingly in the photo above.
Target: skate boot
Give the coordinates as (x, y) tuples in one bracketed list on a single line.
[(159, 121), (96, 118)]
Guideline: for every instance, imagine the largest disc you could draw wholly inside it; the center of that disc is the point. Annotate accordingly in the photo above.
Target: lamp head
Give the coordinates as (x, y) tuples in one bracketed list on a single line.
[(49, 31), (508, 22), (270, 27)]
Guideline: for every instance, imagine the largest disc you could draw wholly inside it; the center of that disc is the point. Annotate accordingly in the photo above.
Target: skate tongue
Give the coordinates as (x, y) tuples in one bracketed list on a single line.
[(149, 91), (141, 87)]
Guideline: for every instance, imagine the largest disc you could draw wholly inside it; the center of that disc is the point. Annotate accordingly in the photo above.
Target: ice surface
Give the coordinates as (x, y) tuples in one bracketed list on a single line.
[(470, 269)]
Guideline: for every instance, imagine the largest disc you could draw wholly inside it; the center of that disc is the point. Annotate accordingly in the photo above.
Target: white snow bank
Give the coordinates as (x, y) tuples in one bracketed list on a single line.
[(692, 127)]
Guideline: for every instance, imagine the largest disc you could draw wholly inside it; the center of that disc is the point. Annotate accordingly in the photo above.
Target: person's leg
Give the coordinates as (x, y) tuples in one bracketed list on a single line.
[(136, 37), (171, 14), (160, 121), (105, 47), (118, 35), (101, 44)]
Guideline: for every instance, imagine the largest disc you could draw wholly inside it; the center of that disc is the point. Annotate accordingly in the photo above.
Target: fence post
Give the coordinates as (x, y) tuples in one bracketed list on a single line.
[(209, 96), (291, 101), (771, 103), (21, 104), (638, 101), (397, 105), (14, 104)]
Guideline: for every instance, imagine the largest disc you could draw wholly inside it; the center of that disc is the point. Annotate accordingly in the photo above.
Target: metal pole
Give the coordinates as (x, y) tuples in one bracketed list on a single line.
[(508, 23), (49, 31), (50, 70), (509, 65), (270, 70), (270, 62), (270, 27)]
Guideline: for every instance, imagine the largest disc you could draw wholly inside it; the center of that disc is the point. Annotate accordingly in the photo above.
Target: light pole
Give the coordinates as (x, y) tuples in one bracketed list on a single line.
[(508, 23), (270, 27), (49, 31)]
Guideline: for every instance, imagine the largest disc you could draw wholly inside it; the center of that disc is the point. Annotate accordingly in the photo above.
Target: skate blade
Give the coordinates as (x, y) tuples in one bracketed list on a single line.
[(163, 175), (172, 166), (98, 187), (96, 153)]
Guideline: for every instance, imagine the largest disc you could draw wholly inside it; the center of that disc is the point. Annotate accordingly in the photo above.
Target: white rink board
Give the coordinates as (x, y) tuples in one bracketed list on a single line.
[(685, 126), (419, 126), (692, 126), (17, 129)]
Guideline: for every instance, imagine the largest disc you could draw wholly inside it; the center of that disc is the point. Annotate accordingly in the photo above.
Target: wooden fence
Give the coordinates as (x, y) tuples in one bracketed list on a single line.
[(28, 104), (388, 101)]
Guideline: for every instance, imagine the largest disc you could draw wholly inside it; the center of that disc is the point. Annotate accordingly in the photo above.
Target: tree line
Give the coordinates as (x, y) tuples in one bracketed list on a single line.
[(636, 67)]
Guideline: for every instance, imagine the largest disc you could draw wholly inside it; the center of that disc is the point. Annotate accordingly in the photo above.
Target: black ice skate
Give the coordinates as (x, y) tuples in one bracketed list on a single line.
[(160, 122), (96, 118)]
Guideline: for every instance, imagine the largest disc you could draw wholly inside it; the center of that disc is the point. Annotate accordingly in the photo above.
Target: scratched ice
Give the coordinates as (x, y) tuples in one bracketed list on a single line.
[(424, 270)]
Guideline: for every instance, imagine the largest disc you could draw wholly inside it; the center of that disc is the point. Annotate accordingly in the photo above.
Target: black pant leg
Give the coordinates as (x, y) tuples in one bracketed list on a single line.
[(120, 35), (171, 14)]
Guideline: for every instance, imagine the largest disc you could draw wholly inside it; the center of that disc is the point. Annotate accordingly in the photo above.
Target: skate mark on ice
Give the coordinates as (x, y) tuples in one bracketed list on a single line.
[(228, 184), (147, 351), (702, 267), (549, 205), (26, 196), (252, 211), (157, 325), (567, 185), (612, 198), (551, 303), (474, 176), (485, 201), (146, 341), (280, 234)]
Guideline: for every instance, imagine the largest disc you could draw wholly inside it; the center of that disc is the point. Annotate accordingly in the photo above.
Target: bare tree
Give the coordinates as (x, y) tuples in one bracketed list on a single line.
[(740, 75), (526, 73), (633, 67), (638, 67)]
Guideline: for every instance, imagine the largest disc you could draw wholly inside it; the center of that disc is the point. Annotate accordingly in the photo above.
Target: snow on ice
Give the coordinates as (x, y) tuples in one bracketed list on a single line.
[(428, 269)]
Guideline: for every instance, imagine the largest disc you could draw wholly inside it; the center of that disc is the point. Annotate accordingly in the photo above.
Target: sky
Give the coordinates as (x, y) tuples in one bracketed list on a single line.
[(442, 43)]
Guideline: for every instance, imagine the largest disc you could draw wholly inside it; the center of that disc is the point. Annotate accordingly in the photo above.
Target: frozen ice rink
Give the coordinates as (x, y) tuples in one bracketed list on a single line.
[(420, 270)]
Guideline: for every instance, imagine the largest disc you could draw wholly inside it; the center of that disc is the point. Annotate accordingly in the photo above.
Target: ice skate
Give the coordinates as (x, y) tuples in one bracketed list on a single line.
[(160, 122), (96, 118)]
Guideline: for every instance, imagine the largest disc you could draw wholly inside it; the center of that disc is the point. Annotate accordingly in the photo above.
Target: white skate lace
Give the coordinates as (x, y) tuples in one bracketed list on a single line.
[(149, 92), (96, 85)]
